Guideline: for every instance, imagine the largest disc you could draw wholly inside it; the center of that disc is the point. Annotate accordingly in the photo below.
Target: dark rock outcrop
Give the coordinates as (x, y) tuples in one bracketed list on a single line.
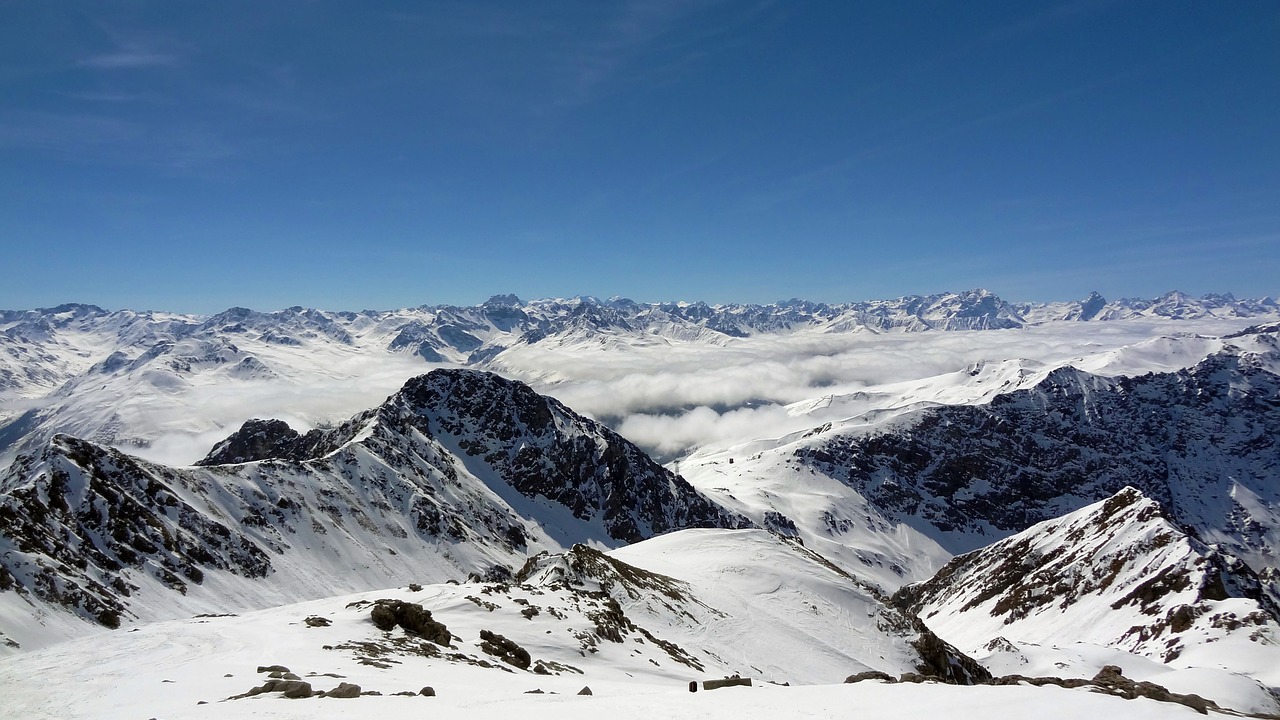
[(267, 439), (412, 617), (504, 649)]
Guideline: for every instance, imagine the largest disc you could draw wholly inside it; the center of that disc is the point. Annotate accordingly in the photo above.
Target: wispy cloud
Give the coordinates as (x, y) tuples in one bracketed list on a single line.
[(129, 58)]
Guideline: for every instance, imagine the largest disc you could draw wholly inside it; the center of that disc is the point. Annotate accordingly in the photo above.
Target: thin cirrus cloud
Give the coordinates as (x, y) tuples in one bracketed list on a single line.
[(129, 58)]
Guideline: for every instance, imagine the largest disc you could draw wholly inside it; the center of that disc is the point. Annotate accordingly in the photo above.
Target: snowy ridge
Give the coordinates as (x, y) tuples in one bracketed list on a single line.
[(1118, 574), (1201, 441), (461, 472)]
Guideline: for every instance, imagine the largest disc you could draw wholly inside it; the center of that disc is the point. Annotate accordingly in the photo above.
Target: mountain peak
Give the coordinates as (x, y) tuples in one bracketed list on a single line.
[(1117, 572)]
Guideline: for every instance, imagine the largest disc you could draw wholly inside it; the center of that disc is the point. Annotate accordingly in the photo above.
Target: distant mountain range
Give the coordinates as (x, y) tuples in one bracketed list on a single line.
[(35, 341)]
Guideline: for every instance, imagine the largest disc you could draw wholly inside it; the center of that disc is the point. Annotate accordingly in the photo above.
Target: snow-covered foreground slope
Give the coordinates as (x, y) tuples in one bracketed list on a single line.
[(104, 687), (1086, 660), (1117, 574), (785, 613), (635, 638)]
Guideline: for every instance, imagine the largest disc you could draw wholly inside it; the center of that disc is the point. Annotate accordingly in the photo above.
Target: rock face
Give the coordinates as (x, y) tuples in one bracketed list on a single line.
[(1204, 442), (543, 449), (505, 650), (457, 473), (80, 523), (265, 439), (415, 619), (1117, 573)]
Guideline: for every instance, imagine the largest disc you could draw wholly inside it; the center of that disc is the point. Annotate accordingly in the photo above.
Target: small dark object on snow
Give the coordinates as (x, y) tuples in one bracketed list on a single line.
[(272, 668), (317, 621), (585, 690), (871, 675), (693, 686), (427, 691), (732, 681), (289, 688), (536, 691), (415, 587)]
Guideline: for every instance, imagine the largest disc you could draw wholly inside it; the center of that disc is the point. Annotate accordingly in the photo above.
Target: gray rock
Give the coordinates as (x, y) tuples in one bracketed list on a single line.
[(585, 690), (734, 681), (871, 675), (294, 688), (427, 691), (344, 690)]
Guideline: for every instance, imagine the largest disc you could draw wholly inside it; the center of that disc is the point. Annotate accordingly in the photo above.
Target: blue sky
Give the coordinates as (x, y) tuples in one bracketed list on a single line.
[(192, 156)]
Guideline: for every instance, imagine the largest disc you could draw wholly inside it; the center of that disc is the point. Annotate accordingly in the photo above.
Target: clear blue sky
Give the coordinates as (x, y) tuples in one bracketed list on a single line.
[(346, 155)]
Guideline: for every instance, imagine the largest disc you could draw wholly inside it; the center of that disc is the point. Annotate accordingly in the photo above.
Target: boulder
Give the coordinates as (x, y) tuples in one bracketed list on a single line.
[(344, 690), (733, 681), (871, 675)]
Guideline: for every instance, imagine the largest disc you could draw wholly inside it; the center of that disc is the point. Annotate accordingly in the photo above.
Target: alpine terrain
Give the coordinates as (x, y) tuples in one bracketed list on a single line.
[(934, 504)]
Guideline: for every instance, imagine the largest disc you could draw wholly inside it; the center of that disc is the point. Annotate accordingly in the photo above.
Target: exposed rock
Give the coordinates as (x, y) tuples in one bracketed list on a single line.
[(585, 690), (272, 668), (733, 681), (292, 689), (427, 691), (871, 675), (344, 690), (267, 439), (415, 619), (317, 621), (505, 650)]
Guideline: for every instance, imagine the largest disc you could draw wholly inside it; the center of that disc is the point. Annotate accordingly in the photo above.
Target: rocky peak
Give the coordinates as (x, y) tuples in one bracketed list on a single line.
[(1118, 568), (544, 449), (265, 439)]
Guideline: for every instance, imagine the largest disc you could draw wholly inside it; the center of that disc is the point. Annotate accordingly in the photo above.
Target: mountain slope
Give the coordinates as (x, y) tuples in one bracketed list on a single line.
[(460, 472), (1118, 573), (1202, 441)]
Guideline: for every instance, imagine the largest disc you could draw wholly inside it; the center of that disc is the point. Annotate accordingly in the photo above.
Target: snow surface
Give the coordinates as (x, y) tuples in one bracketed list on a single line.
[(806, 626)]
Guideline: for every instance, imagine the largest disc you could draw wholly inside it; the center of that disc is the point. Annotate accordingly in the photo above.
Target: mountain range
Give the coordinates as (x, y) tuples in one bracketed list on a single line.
[(1119, 493)]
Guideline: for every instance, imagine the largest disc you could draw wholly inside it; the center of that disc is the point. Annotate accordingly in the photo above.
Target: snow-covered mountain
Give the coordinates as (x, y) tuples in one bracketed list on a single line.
[(460, 472), (1119, 573), (1202, 441)]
